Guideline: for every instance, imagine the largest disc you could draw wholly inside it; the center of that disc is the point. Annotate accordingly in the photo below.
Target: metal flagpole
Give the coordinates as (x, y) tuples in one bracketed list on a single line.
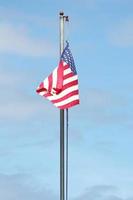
[(67, 152), (67, 137), (62, 142)]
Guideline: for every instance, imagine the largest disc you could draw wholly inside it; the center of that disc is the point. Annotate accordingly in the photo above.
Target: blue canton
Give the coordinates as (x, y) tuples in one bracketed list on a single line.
[(68, 58)]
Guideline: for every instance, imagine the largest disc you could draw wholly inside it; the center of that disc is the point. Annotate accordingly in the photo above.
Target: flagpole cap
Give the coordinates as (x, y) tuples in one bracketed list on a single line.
[(61, 13)]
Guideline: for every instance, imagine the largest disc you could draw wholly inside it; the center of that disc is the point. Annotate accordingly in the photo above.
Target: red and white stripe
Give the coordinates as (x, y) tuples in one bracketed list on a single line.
[(61, 87)]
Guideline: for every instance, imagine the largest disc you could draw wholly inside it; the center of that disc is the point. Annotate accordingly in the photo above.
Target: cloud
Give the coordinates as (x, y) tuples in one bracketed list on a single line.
[(23, 187), (16, 40), (102, 107), (15, 102), (101, 192), (19, 109), (122, 34), (98, 98), (22, 107), (103, 189), (15, 15)]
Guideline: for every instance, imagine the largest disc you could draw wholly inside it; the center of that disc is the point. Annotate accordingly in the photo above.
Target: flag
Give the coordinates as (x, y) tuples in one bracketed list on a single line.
[(61, 86)]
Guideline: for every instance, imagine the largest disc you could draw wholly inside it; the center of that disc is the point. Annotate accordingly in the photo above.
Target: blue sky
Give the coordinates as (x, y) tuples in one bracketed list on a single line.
[(100, 33)]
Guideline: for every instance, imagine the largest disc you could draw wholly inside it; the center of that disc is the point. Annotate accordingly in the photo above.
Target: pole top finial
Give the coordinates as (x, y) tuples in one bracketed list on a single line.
[(61, 13)]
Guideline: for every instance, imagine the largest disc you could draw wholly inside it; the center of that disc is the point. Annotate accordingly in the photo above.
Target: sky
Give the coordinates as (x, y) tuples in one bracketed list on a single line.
[(100, 33)]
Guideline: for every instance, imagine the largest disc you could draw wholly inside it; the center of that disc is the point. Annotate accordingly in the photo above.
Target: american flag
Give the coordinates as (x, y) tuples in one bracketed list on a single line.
[(61, 86)]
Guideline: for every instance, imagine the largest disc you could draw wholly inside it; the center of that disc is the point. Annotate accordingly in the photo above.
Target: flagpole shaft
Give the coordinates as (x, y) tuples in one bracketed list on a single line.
[(62, 133)]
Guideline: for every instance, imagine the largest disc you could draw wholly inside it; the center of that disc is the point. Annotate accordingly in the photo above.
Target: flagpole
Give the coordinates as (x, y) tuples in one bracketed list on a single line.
[(67, 137), (62, 137)]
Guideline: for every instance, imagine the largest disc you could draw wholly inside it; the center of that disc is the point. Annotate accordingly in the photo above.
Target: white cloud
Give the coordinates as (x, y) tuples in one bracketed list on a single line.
[(97, 99), (23, 187), (15, 15), (16, 40), (19, 109), (8, 79), (16, 103), (103, 107), (101, 192), (122, 34), (17, 106)]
